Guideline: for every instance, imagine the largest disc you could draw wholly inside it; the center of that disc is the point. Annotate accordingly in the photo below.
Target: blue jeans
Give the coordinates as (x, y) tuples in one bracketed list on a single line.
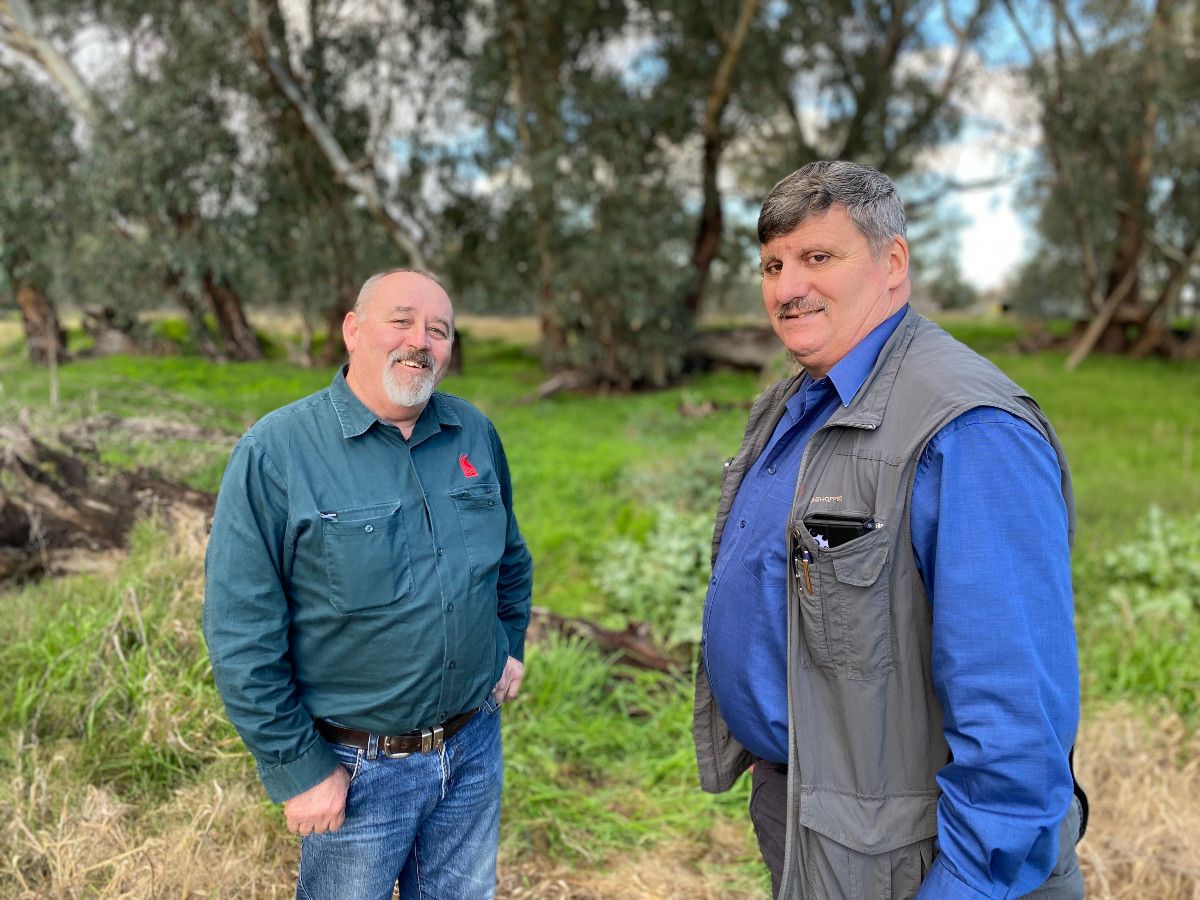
[(430, 821)]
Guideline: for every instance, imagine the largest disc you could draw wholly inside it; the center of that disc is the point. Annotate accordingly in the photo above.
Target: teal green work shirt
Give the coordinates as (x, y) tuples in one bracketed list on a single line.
[(356, 575)]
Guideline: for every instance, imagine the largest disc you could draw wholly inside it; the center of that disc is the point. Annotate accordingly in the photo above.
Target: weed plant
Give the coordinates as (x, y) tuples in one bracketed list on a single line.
[(1141, 636)]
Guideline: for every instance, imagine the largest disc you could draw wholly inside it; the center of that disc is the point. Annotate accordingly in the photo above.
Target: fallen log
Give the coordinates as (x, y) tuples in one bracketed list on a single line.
[(745, 348), (629, 646)]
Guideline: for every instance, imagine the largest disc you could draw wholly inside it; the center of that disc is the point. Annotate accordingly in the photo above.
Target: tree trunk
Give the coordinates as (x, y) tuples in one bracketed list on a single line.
[(708, 231), (205, 345), (1116, 336), (334, 349), (539, 150), (346, 273), (44, 336), (241, 343)]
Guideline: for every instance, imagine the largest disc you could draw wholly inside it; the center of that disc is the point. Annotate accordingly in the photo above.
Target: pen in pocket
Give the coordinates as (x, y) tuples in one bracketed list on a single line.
[(806, 568)]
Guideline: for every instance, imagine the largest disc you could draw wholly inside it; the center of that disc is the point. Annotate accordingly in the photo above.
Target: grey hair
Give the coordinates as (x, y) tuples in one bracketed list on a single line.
[(870, 198), (368, 288)]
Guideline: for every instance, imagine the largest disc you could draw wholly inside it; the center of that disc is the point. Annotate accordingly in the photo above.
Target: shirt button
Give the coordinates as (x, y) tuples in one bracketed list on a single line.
[(450, 665), (770, 470), (369, 528), (450, 607), (742, 524), (440, 551)]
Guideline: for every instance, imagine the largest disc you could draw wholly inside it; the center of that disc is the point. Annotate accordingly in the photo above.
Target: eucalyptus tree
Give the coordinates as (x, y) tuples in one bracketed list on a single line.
[(159, 157), (613, 134), (39, 178), (1118, 185), (877, 81)]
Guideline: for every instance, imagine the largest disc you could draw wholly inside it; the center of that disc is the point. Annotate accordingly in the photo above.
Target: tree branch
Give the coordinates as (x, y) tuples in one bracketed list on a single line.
[(361, 180), (1053, 106), (1100, 321), (19, 32), (942, 95)]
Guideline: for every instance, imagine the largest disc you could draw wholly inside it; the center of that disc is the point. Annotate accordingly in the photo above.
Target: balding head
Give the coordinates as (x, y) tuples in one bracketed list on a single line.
[(370, 286)]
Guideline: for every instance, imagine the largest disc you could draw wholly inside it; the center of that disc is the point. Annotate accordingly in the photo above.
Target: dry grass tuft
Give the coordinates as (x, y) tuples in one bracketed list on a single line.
[(59, 839), (666, 872), (205, 842), (1143, 778)]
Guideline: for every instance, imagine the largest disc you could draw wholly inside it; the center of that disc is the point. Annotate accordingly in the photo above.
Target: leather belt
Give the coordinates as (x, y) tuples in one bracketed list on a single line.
[(422, 740)]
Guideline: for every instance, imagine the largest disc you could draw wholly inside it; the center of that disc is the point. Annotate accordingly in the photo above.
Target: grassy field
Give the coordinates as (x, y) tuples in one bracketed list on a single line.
[(122, 778)]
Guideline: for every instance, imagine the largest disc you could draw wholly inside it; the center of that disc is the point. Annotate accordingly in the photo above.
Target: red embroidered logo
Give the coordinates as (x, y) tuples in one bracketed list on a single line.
[(468, 469)]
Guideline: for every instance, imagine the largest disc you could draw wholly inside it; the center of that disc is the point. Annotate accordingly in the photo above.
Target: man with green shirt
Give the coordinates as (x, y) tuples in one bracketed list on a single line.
[(367, 594)]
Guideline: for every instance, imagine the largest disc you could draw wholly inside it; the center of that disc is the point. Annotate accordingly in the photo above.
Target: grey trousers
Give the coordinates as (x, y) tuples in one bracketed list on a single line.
[(834, 872)]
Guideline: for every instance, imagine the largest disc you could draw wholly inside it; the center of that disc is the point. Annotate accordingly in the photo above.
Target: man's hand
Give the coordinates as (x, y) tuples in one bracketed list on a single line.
[(509, 684), (321, 808)]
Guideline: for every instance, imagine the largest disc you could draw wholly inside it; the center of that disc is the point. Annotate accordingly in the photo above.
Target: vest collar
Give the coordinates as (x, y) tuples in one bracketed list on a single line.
[(867, 408)]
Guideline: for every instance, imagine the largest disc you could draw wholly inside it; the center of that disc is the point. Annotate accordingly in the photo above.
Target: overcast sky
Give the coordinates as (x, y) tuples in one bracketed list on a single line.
[(998, 145)]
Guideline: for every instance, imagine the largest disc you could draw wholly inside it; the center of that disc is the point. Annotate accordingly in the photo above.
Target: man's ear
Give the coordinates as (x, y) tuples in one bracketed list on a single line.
[(897, 260), (350, 331)]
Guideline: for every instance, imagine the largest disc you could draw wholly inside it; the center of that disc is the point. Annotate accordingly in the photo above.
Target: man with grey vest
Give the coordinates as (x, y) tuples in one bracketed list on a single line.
[(888, 634)]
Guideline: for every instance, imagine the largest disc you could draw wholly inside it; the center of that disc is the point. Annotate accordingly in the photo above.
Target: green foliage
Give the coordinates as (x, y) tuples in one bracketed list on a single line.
[(1140, 613), (1156, 573), (599, 761), (600, 235), (662, 579), (39, 180), (115, 669)]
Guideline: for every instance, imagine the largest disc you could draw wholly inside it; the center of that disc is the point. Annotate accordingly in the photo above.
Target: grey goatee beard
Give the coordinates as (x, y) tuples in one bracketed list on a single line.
[(410, 387)]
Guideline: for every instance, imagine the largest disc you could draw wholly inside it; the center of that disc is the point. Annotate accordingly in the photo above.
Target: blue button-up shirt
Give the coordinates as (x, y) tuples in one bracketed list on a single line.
[(358, 575), (1007, 682)]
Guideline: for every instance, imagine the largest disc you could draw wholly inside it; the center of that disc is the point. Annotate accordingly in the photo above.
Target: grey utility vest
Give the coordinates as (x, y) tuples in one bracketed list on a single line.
[(865, 727)]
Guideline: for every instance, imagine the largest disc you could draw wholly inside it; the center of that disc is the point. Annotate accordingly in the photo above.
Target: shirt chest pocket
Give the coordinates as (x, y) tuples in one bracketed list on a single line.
[(484, 524), (846, 609), (367, 558)]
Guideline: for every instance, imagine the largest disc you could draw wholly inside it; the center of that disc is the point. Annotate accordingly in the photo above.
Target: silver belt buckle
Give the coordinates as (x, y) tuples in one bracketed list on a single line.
[(383, 748), (432, 739)]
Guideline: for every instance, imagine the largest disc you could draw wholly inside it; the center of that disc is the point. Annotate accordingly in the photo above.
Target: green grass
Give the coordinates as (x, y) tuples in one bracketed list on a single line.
[(112, 670)]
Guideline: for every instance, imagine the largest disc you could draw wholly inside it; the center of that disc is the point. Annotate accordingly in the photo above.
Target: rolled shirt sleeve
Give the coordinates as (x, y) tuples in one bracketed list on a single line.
[(246, 622), (990, 534)]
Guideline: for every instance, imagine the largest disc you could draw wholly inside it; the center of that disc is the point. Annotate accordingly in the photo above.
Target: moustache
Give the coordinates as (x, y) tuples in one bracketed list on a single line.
[(799, 306), (420, 357)]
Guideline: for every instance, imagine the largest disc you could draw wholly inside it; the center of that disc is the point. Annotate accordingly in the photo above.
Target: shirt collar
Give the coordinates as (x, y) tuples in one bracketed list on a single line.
[(355, 418), (852, 369)]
